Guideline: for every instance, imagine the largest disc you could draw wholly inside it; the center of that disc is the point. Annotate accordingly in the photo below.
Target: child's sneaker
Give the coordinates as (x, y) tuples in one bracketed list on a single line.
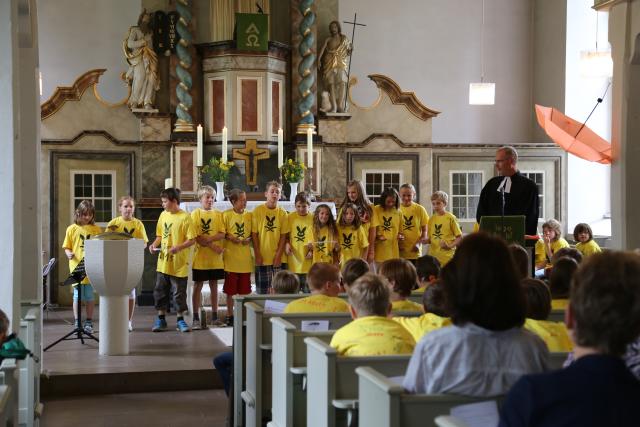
[(182, 326), (88, 326), (195, 324), (159, 325), (130, 326), (229, 321)]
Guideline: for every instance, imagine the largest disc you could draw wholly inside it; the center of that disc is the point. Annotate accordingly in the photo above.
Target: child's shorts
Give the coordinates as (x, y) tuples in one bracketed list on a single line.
[(206, 275), (237, 283), (87, 292)]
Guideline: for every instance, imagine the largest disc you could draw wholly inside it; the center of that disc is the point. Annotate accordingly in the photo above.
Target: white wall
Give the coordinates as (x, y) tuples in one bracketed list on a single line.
[(432, 47), (79, 35), (588, 183)]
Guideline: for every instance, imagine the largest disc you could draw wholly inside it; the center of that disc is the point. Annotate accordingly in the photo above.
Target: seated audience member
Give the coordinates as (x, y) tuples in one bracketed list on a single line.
[(554, 334), (486, 350), (428, 269), (603, 318), (372, 332), (521, 260), (285, 282), (434, 317), (223, 363), (560, 282), (352, 270), (323, 280), (402, 278), (550, 243), (584, 237), (573, 253)]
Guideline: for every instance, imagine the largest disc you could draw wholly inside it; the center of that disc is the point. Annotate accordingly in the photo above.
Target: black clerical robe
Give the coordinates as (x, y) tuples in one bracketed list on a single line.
[(521, 200)]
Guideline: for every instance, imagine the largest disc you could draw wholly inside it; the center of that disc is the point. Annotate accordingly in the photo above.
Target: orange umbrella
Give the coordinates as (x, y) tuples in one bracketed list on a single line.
[(574, 137)]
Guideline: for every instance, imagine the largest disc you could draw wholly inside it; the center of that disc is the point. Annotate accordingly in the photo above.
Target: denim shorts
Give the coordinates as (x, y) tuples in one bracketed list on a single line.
[(87, 292)]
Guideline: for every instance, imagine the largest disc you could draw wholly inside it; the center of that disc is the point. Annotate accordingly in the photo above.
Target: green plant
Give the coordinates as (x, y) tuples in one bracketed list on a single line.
[(292, 171), (218, 170)]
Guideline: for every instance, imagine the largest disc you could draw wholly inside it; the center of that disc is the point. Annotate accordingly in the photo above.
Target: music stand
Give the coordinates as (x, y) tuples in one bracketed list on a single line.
[(509, 227), (46, 269)]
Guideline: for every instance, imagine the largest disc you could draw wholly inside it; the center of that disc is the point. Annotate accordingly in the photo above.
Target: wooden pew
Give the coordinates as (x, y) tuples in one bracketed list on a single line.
[(9, 378), (5, 400), (332, 384), (29, 369), (384, 403)]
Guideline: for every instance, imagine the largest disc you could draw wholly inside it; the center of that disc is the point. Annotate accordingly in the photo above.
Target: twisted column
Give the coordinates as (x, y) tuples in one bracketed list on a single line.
[(305, 67), (184, 123)]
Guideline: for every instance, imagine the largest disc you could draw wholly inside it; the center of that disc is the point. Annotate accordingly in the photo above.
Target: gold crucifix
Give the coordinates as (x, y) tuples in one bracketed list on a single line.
[(250, 155)]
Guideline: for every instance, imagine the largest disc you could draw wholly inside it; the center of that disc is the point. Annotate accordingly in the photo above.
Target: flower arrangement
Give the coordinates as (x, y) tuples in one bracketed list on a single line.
[(292, 171), (218, 170)]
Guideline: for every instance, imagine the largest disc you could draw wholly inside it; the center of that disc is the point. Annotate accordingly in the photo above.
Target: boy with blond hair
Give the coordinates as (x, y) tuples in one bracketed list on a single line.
[(285, 282), (324, 283), (444, 231), (413, 224), (372, 332)]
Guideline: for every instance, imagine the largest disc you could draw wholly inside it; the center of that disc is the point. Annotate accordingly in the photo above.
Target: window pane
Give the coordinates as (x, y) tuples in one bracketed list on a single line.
[(77, 180), (107, 180), (473, 204), (475, 183)]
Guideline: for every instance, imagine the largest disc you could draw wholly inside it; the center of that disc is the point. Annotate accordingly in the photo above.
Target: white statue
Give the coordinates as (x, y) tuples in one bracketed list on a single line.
[(332, 61), (142, 74)]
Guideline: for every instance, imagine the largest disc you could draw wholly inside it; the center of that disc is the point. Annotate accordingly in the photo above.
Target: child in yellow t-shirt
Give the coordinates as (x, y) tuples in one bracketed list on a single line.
[(174, 233), (238, 260), (385, 227), (550, 243), (402, 278), (352, 270), (372, 332), (83, 228), (560, 278), (356, 194), (444, 231), (285, 282), (127, 223), (414, 224), (353, 240), (584, 236), (324, 246), (428, 270), (554, 334), (324, 283), (435, 316), (299, 235), (269, 222)]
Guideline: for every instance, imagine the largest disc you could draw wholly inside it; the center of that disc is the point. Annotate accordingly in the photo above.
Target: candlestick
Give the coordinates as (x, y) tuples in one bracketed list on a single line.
[(280, 149), (224, 145), (309, 148), (168, 183), (199, 146)]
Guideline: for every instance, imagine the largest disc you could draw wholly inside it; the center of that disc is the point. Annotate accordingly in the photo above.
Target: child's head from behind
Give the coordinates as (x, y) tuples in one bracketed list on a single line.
[(369, 296), (573, 253), (538, 298), (85, 213), (433, 300), (170, 198), (349, 215), (604, 310), (401, 275), (439, 201), (353, 270), (552, 229), (427, 268), (482, 285), (561, 275), (206, 195), (285, 282), (4, 326), (324, 278), (238, 199), (520, 259), (126, 206), (273, 191), (582, 233), (389, 198), (302, 203)]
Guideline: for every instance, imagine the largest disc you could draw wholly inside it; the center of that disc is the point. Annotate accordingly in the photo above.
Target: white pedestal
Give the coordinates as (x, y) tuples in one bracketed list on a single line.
[(114, 324)]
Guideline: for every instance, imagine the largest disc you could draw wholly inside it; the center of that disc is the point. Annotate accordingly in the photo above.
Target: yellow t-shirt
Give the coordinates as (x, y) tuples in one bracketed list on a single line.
[(300, 230), (317, 304), (269, 225), (134, 228), (588, 248), (174, 229), (352, 242), (414, 217), (323, 244), (237, 257), (420, 326), (372, 336), (541, 255), (207, 223), (554, 334), (406, 305), (443, 227), (387, 224), (74, 239), (559, 304)]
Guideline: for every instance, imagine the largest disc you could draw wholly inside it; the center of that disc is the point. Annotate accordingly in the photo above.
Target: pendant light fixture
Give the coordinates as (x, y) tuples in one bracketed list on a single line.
[(482, 93)]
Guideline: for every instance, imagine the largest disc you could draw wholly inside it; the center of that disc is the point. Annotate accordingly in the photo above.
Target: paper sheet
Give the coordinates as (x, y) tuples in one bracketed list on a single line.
[(314, 325), (271, 306)]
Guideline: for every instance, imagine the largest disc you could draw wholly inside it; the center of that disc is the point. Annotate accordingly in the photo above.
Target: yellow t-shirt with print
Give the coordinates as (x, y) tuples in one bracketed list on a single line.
[(372, 336), (317, 304), (541, 255), (323, 244), (133, 227), (387, 224), (207, 223), (420, 326), (74, 239), (414, 217), (269, 225), (300, 230), (406, 305), (554, 334), (352, 242), (559, 303), (443, 227), (588, 248), (237, 257), (174, 229)]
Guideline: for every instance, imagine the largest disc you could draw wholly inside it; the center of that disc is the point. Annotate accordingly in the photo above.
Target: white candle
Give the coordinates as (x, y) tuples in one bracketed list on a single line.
[(168, 183), (200, 154), (224, 144), (309, 148), (280, 148), (171, 162)]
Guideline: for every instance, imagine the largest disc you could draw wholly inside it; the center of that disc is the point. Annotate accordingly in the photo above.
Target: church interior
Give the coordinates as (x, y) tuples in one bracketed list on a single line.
[(102, 100)]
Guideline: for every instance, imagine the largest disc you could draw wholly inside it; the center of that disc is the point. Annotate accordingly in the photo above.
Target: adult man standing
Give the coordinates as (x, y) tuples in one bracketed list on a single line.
[(518, 193)]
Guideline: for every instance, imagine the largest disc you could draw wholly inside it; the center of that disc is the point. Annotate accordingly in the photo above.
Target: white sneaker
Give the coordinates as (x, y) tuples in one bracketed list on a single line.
[(130, 326)]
